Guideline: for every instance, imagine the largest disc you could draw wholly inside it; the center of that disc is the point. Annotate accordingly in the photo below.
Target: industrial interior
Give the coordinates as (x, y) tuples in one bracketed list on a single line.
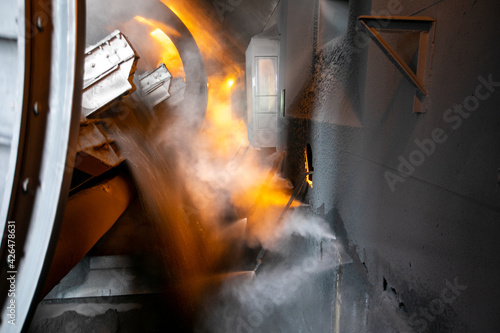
[(242, 166)]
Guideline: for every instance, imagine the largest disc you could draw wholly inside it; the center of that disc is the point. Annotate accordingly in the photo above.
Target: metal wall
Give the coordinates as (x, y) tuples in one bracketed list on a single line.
[(426, 230)]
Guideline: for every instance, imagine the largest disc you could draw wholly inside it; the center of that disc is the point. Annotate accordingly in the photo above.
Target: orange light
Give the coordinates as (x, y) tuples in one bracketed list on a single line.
[(169, 30), (220, 171), (206, 32), (308, 177), (221, 164), (144, 20), (265, 195), (173, 10), (160, 36), (169, 54)]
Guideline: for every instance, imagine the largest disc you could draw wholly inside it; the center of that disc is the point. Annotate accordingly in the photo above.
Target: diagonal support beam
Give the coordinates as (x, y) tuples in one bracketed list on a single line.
[(423, 25)]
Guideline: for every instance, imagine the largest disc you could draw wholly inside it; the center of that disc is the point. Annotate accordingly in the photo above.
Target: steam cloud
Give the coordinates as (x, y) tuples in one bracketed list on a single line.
[(303, 252), (209, 196)]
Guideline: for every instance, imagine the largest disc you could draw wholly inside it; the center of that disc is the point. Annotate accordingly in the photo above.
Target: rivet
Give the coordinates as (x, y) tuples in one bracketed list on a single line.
[(39, 23), (26, 183), (36, 110)]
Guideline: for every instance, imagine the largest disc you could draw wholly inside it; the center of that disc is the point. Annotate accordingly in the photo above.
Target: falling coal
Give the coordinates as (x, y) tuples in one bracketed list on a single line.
[(214, 201)]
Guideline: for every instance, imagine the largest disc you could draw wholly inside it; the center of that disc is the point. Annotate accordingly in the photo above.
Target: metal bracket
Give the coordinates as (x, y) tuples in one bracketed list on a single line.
[(426, 27), (155, 85), (108, 73)]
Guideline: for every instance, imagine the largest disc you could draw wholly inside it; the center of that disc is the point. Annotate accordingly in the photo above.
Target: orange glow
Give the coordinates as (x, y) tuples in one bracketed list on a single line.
[(169, 56), (160, 36), (225, 133), (308, 177), (173, 9), (144, 20), (245, 183), (168, 30), (213, 176), (264, 195), (213, 167), (207, 32), (264, 204)]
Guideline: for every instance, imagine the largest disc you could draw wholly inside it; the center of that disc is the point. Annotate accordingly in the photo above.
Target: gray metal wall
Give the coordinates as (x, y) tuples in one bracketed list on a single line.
[(432, 235)]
